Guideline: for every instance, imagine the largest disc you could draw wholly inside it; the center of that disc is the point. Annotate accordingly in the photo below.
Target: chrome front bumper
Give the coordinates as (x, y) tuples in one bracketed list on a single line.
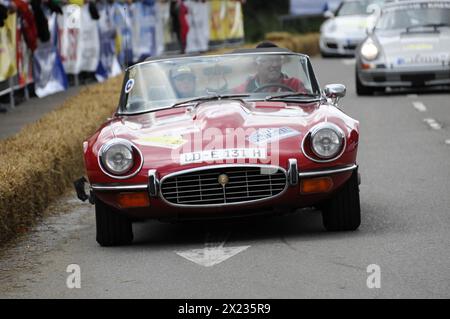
[(153, 187)]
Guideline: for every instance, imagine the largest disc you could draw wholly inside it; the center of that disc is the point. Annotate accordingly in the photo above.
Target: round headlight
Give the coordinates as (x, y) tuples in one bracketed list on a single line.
[(117, 157), (369, 50), (327, 141)]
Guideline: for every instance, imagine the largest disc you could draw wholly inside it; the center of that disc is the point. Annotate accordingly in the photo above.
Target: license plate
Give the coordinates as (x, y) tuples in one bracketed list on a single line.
[(223, 154)]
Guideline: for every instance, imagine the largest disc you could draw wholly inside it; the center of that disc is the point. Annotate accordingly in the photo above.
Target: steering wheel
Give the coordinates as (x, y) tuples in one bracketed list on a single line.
[(273, 85)]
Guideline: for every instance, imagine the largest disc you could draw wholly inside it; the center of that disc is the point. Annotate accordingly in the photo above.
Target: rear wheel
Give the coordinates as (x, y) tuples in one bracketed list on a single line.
[(113, 229), (343, 212), (361, 89)]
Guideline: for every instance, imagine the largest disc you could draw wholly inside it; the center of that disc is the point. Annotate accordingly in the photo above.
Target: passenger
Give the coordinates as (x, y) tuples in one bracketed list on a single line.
[(183, 81)]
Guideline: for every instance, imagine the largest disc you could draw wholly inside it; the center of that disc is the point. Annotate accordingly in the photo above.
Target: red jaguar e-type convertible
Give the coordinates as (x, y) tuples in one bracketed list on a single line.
[(222, 136)]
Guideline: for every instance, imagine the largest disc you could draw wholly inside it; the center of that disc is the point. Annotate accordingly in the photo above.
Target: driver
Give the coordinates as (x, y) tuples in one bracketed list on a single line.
[(183, 81), (269, 78)]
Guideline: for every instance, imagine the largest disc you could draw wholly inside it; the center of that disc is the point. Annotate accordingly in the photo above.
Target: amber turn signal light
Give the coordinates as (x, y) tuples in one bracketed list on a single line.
[(129, 200), (316, 185)]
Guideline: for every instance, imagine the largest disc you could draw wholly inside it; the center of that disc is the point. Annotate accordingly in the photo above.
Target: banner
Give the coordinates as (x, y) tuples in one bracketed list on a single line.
[(122, 21), (226, 20), (8, 66), (89, 42), (163, 13), (217, 23), (198, 19), (235, 28), (49, 75), (108, 65), (143, 30), (161, 21), (79, 40)]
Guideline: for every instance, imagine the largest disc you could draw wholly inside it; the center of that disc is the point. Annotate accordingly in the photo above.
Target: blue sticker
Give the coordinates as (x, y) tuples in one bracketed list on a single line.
[(129, 86), (401, 61)]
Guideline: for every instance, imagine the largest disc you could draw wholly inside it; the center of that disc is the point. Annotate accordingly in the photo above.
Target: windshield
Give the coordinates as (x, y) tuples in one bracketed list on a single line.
[(414, 15), (161, 84), (349, 8)]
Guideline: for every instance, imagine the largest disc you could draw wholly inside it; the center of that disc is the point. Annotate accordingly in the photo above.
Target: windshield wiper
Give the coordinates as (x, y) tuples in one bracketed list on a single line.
[(428, 25), (296, 94), (209, 98)]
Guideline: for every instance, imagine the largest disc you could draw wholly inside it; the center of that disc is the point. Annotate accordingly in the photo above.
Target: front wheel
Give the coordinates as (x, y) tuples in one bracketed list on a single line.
[(113, 229), (343, 212)]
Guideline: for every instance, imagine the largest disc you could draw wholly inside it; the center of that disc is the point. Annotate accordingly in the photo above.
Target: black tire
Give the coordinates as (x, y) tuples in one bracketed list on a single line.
[(113, 228), (325, 55), (361, 89), (343, 212)]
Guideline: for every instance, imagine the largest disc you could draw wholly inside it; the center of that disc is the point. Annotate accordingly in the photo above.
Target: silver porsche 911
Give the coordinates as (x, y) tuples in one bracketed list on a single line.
[(345, 29), (409, 47)]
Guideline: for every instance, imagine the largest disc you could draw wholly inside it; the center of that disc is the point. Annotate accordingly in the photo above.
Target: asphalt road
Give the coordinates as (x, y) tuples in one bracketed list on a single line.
[(405, 200)]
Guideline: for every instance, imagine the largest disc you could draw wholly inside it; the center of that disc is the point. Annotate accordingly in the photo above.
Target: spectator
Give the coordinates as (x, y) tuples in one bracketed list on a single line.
[(180, 25)]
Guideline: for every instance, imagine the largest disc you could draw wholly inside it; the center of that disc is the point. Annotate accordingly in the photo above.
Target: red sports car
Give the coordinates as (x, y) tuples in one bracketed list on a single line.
[(222, 136)]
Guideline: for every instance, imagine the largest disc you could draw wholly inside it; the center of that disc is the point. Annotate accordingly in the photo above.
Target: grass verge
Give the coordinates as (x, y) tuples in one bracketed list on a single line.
[(44, 158)]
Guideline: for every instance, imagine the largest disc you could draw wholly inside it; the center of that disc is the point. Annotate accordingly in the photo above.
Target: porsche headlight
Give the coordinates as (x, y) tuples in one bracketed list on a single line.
[(117, 157), (369, 50), (327, 141)]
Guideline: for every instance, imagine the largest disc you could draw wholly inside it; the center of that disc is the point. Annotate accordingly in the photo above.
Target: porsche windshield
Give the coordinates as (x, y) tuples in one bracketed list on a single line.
[(414, 16), (161, 84)]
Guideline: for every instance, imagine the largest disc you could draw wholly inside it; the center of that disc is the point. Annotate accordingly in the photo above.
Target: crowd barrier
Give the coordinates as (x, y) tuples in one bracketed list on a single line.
[(124, 33)]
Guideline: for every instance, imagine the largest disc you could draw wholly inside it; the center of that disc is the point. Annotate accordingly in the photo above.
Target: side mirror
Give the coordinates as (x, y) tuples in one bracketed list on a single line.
[(328, 14), (335, 92)]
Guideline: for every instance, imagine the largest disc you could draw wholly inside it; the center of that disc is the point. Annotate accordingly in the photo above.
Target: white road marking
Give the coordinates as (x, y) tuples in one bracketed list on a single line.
[(447, 141), (212, 254), (349, 61), (419, 106), (433, 123)]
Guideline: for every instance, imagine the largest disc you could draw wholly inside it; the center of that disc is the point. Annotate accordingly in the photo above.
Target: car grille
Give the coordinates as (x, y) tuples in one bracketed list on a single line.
[(202, 187), (332, 45), (350, 47)]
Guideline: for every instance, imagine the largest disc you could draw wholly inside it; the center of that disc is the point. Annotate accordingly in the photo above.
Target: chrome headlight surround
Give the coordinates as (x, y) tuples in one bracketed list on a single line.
[(370, 50), (313, 154), (120, 146)]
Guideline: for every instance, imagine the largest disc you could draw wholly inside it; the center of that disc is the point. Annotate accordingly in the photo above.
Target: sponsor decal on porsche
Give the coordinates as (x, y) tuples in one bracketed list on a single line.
[(418, 46), (425, 59)]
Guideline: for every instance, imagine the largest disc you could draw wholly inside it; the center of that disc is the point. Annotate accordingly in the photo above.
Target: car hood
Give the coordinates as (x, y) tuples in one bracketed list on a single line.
[(164, 135), (348, 26), (403, 50)]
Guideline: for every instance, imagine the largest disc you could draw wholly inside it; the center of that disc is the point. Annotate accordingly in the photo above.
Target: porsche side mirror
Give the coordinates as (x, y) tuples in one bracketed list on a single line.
[(335, 92), (328, 14)]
